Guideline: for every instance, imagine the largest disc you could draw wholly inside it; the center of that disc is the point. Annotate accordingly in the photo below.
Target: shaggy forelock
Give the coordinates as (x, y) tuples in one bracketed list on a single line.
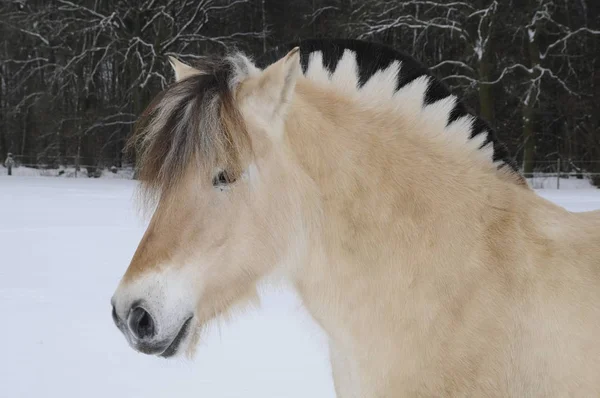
[(192, 123)]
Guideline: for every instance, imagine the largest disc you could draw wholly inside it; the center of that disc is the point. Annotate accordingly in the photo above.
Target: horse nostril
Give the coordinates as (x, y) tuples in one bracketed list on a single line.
[(141, 324)]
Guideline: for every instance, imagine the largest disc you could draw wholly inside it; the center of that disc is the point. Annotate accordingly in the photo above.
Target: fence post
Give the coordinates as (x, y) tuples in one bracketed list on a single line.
[(77, 163), (8, 163), (558, 173)]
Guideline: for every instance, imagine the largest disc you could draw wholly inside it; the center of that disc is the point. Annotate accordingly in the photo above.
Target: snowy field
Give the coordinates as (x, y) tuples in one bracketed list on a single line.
[(64, 244)]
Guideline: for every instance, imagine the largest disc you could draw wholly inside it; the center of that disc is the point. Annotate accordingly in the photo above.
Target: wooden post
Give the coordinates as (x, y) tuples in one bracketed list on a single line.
[(8, 163), (77, 157), (558, 173)]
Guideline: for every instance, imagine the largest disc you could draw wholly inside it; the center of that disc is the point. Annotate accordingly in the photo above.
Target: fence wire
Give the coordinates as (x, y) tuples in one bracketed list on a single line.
[(554, 174)]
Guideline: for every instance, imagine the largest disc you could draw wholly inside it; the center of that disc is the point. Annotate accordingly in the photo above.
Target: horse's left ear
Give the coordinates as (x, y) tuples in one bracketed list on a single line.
[(278, 81), (182, 70)]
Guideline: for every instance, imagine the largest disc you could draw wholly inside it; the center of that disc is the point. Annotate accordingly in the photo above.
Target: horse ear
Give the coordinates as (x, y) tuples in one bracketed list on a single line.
[(182, 70), (278, 81)]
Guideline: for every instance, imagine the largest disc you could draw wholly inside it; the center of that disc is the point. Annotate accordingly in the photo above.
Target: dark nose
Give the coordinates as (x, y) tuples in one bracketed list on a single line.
[(141, 324)]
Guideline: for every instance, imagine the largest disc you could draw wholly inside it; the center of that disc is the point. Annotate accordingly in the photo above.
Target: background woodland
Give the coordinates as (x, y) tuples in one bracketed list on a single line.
[(74, 75)]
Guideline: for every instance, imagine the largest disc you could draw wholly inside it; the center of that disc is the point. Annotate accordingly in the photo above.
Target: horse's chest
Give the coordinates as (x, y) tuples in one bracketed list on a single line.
[(345, 372)]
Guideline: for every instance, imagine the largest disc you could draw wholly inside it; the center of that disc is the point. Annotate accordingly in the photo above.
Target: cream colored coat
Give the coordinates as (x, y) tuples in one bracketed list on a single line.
[(433, 273)]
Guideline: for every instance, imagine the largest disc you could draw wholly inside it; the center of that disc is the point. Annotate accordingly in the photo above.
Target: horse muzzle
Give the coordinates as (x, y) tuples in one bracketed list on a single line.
[(141, 331)]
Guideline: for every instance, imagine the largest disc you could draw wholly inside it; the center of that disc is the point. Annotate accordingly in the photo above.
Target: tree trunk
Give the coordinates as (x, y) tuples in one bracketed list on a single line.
[(486, 69), (486, 98), (529, 106), (264, 25), (3, 125), (529, 132)]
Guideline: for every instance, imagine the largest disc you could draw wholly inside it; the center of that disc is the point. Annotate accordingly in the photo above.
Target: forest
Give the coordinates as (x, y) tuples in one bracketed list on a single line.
[(75, 74)]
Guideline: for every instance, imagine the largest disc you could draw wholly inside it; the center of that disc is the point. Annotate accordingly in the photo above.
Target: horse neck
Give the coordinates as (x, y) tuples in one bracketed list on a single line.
[(389, 190), (385, 159)]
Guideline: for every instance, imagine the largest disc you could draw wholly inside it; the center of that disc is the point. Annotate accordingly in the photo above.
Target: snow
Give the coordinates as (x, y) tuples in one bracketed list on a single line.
[(65, 243), (478, 49), (66, 172), (573, 199), (541, 181)]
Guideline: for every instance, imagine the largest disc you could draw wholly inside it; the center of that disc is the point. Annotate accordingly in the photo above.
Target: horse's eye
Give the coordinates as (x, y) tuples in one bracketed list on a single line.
[(222, 178)]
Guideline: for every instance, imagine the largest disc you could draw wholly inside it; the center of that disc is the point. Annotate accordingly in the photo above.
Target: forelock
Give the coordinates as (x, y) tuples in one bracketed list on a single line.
[(193, 123)]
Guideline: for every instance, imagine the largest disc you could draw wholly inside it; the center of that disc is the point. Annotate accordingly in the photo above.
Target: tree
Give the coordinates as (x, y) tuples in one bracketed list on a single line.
[(74, 75)]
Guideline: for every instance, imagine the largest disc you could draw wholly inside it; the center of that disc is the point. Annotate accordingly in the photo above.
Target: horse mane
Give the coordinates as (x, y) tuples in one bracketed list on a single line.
[(195, 122), (372, 58), (191, 122)]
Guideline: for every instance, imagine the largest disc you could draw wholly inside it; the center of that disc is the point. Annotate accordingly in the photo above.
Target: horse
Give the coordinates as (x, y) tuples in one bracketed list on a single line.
[(346, 169)]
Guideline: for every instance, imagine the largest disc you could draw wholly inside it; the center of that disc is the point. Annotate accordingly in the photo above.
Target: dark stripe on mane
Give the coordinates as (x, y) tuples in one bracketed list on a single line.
[(372, 57)]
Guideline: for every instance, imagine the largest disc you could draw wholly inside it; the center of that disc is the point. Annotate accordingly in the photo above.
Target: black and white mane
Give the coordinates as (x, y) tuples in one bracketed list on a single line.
[(184, 123), (373, 57)]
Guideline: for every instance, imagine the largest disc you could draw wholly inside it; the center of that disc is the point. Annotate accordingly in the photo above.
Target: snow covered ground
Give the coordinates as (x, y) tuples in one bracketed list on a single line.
[(65, 172), (64, 244)]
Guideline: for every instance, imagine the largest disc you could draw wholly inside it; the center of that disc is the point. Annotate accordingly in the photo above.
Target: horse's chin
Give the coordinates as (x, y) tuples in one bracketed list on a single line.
[(182, 340)]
